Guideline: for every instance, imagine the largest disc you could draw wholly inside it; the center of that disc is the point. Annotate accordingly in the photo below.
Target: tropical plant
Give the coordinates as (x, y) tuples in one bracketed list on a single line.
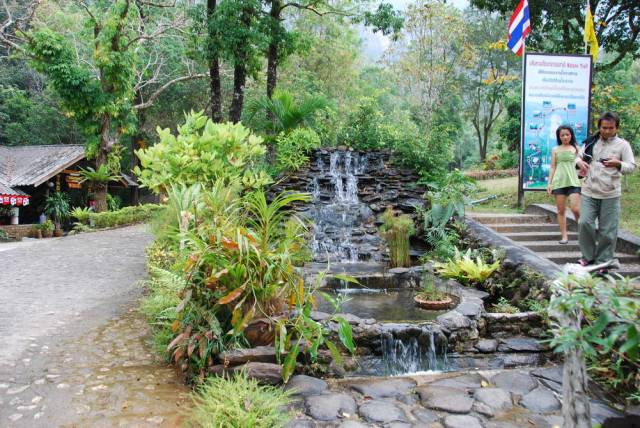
[(429, 290), (603, 327), (238, 401), (300, 333), (238, 262), (463, 268), (57, 206), (396, 230), (504, 306), (81, 214), (292, 149), (203, 152), (47, 226), (281, 114)]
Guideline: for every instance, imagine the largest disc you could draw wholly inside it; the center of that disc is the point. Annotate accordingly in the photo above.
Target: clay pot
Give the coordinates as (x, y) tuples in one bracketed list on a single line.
[(433, 304), (58, 233), (47, 233)]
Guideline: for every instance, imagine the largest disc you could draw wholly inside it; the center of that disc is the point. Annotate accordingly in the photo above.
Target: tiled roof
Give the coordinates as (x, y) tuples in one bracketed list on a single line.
[(33, 165)]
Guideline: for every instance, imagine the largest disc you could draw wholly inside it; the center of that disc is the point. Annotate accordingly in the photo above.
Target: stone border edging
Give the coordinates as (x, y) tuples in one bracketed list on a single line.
[(627, 241), (516, 253)]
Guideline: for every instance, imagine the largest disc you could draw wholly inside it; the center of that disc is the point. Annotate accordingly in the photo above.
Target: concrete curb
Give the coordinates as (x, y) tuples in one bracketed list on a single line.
[(627, 241), (515, 252)]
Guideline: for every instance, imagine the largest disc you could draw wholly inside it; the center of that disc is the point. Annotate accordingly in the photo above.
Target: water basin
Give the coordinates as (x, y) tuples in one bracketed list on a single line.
[(382, 305)]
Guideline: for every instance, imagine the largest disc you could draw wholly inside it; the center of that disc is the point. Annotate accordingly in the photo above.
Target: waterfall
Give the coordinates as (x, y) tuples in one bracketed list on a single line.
[(339, 217), (412, 354)]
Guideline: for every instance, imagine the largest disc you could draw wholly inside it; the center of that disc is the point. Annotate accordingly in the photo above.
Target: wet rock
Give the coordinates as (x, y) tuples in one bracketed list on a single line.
[(553, 374), (453, 321), (398, 425), (468, 381), (495, 398), (486, 345), (425, 416), (520, 344), (385, 388), (260, 354), (352, 424), (300, 423), (306, 385), (462, 421), (329, 407), (382, 412), (600, 412), (540, 400), (471, 307), (265, 373), (319, 316), (515, 382), (445, 398)]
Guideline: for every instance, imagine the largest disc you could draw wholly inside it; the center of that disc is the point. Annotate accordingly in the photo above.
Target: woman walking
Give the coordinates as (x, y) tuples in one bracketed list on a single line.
[(563, 178)]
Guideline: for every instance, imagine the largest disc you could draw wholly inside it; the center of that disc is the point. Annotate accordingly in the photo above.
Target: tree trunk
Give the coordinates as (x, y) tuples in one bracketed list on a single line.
[(239, 80), (214, 70), (100, 192), (101, 159), (273, 51)]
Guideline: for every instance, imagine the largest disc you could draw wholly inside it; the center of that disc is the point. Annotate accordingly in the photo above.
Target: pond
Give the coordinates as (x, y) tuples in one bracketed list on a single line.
[(381, 304)]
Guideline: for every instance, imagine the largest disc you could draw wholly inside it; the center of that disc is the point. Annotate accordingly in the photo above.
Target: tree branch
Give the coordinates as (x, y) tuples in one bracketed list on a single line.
[(166, 86)]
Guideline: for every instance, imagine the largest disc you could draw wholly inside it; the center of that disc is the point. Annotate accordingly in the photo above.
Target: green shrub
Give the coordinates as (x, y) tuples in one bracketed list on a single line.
[(607, 312), (124, 216), (4, 236), (503, 306), (293, 148), (114, 202), (465, 269), (396, 231), (238, 402), (81, 214), (203, 152)]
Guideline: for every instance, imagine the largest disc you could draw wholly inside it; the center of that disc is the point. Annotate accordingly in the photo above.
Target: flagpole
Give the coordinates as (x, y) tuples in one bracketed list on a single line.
[(586, 44), (522, 122)]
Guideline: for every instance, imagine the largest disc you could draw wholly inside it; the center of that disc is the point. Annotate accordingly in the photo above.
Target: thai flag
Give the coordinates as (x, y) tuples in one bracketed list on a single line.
[(519, 27)]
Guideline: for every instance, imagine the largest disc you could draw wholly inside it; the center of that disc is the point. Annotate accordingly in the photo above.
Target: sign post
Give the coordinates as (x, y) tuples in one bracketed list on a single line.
[(556, 90)]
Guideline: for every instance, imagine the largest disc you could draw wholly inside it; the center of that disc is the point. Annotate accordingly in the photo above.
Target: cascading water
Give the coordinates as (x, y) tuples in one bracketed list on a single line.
[(413, 354), (343, 226)]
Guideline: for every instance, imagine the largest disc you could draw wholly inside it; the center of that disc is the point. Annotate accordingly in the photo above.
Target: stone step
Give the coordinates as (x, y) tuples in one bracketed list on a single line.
[(539, 236), (631, 270), (525, 227), (562, 257), (540, 246), (494, 218)]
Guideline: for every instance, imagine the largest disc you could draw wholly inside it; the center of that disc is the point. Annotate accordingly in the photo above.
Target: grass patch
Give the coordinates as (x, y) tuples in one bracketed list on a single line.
[(506, 190), (238, 402)]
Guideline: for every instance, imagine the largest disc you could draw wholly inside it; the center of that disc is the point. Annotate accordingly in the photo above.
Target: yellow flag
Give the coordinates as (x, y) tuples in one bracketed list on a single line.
[(590, 35)]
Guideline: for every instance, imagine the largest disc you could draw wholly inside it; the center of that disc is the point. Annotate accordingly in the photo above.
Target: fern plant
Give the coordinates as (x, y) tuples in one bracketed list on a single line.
[(465, 269)]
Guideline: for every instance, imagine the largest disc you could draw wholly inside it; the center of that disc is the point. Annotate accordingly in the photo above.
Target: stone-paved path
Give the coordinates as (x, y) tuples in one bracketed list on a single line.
[(74, 349), (483, 399)]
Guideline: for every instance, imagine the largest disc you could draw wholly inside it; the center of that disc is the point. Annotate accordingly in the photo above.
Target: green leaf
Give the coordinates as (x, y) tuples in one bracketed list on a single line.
[(335, 354), (290, 362), (346, 278), (346, 335)]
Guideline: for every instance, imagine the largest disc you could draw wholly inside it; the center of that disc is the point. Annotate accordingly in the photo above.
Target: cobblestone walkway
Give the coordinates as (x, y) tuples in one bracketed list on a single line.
[(484, 399), (74, 350)]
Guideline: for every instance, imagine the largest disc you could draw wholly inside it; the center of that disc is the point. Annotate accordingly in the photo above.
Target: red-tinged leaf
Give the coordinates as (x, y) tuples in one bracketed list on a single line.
[(231, 296), (177, 354), (230, 244), (175, 341), (184, 301), (202, 347), (191, 347), (175, 326), (214, 279)]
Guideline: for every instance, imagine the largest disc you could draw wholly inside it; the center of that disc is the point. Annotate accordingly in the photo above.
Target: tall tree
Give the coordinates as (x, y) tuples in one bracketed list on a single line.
[(488, 73), (558, 25)]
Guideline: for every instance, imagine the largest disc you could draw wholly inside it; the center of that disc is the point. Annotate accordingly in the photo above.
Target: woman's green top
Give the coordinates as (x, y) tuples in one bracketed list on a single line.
[(565, 175)]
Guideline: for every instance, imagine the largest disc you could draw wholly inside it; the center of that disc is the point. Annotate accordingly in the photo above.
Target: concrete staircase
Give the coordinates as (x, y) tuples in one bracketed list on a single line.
[(538, 233)]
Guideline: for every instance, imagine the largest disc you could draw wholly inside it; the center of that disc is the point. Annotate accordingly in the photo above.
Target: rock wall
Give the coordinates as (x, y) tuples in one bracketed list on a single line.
[(351, 189)]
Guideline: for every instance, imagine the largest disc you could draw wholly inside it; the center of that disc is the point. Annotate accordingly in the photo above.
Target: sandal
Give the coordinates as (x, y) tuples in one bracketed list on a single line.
[(584, 262), (563, 241)]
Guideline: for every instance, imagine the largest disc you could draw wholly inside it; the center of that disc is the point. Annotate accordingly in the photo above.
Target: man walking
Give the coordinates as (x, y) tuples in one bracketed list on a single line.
[(602, 162)]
